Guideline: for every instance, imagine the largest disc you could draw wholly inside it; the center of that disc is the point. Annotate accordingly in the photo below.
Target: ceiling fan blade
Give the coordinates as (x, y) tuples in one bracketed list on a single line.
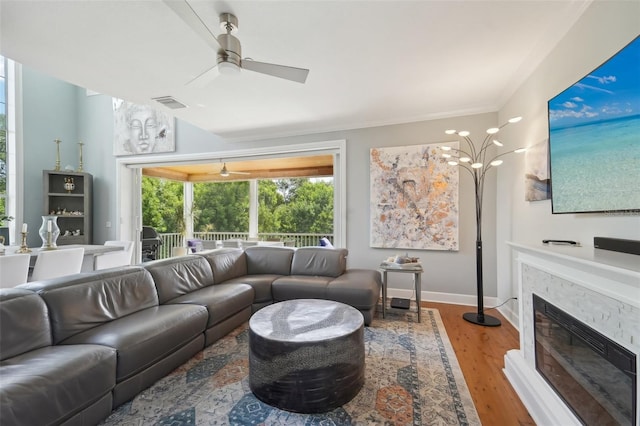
[(288, 73), (238, 173), (204, 78), (184, 10)]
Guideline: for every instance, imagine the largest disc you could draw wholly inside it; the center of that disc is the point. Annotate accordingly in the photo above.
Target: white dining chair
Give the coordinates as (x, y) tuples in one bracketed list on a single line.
[(114, 259), (57, 263), (14, 269)]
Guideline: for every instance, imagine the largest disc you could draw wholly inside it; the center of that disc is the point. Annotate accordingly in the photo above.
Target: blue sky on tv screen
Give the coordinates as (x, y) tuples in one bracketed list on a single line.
[(611, 91)]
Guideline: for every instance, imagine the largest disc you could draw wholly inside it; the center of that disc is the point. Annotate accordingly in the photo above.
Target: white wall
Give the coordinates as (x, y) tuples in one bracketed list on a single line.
[(604, 28), (450, 274), (49, 112)]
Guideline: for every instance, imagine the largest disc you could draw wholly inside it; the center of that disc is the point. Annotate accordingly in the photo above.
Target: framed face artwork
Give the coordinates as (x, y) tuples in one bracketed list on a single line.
[(140, 129)]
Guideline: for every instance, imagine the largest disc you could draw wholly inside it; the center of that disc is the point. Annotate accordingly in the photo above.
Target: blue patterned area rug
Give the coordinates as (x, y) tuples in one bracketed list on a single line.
[(412, 378)]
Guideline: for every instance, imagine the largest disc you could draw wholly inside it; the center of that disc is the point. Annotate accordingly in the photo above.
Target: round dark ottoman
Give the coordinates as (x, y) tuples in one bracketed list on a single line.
[(307, 355)]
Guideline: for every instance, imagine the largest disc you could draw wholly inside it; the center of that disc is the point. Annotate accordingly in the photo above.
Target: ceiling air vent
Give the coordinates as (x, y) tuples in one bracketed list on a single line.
[(170, 102)]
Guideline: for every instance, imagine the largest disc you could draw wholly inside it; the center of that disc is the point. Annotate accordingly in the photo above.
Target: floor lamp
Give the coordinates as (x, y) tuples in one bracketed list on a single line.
[(474, 160)]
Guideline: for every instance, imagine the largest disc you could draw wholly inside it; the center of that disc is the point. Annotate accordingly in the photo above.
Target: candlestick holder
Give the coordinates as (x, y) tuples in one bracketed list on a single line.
[(57, 166), (48, 243), (80, 165), (23, 246)]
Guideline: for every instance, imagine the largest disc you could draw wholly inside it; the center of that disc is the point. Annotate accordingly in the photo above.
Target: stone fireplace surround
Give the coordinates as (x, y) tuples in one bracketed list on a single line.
[(598, 287)]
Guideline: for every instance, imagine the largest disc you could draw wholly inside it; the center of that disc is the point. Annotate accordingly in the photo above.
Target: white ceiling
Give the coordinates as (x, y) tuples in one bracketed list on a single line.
[(371, 62)]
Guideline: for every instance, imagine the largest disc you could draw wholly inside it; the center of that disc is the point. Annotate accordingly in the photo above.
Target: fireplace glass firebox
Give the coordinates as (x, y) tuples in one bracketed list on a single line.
[(594, 376)]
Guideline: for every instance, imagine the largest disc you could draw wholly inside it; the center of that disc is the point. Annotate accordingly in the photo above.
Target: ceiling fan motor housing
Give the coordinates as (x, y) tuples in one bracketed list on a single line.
[(230, 51)]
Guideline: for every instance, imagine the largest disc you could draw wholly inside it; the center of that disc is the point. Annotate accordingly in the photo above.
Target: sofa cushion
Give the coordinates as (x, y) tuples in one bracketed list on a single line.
[(226, 263), (179, 275), (24, 322), (221, 300), (146, 337), (299, 287), (320, 261), (261, 285), (88, 300), (359, 288), (269, 260), (49, 385)]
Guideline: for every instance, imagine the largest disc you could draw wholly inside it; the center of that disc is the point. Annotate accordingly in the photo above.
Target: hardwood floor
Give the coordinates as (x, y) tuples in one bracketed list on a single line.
[(480, 352)]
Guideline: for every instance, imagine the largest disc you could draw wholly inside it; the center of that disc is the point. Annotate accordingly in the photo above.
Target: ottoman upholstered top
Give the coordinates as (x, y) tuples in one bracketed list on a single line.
[(305, 320)]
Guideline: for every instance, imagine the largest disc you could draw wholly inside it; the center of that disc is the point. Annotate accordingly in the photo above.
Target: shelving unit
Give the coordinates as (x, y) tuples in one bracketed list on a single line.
[(73, 207)]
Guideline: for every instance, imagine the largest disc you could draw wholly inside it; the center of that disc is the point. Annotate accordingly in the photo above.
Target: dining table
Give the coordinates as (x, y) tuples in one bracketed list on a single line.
[(90, 252)]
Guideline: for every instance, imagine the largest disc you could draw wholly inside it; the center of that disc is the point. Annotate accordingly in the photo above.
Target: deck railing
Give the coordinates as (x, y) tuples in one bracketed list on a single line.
[(175, 239)]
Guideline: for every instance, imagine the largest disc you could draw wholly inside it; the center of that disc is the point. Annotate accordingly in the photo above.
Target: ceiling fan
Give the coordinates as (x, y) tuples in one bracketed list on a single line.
[(224, 172), (229, 53)]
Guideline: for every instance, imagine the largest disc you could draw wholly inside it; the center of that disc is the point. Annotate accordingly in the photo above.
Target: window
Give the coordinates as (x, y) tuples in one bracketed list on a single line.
[(10, 155), (3, 138)]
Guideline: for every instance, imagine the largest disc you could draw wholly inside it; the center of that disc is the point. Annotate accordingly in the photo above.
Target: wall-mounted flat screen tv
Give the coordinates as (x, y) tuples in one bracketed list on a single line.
[(594, 139)]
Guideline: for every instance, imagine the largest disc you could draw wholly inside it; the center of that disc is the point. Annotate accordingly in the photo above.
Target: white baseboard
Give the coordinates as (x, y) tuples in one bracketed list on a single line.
[(451, 298), (511, 316), (544, 405)]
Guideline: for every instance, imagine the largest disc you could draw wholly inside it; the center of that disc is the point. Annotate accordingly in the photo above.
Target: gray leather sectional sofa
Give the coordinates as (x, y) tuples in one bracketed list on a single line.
[(74, 348)]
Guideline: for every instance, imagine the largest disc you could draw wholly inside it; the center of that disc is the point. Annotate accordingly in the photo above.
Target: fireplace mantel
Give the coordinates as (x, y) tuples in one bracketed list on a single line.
[(598, 287)]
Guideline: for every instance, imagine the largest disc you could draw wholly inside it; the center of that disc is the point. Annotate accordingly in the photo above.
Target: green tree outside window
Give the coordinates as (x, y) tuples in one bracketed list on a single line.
[(284, 206)]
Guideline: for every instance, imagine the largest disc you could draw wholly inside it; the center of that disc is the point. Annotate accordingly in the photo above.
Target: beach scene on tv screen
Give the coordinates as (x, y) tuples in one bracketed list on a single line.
[(594, 138)]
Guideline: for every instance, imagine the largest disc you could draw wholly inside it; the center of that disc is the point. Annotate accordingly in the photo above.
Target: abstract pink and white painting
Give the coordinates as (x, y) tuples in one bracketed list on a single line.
[(413, 198)]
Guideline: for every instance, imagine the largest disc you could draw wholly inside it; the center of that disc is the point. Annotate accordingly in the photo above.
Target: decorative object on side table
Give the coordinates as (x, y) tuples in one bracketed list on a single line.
[(49, 232), (477, 161), (401, 262), (23, 245)]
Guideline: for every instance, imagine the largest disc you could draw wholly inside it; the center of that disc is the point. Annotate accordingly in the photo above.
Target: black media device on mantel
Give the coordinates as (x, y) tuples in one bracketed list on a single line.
[(617, 244)]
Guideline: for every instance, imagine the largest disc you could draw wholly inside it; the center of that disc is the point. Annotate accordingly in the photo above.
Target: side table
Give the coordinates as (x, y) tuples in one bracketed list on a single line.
[(417, 283)]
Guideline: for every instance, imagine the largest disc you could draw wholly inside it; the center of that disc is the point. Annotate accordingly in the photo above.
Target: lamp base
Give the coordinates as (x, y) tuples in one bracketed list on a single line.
[(486, 320)]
